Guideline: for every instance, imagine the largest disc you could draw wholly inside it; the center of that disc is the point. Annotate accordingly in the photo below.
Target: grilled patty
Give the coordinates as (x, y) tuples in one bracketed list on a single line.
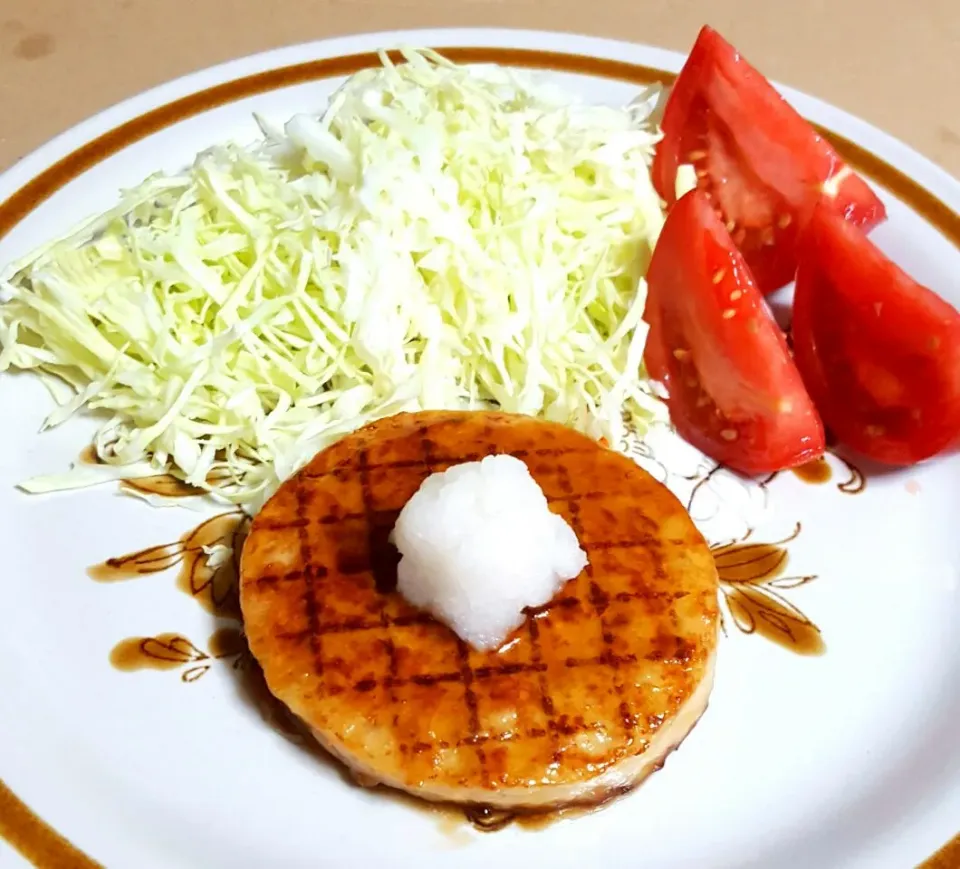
[(582, 702)]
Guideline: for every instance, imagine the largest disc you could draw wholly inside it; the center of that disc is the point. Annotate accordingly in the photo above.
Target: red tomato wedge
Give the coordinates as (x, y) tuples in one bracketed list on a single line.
[(734, 392), (879, 353), (763, 167)]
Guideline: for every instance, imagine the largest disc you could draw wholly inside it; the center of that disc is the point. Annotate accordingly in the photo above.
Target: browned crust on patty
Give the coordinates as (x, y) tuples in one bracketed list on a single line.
[(576, 696)]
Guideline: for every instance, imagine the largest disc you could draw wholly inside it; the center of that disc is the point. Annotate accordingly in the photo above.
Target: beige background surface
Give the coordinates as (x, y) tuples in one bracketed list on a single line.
[(895, 63)]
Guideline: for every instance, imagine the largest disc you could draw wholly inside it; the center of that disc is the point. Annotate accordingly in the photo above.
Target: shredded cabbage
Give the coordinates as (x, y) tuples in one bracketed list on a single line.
[(441, 237)]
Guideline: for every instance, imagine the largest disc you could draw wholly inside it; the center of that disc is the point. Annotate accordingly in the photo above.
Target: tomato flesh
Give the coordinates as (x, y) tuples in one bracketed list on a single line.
[(879, 353), (734, 392), (763, 167)]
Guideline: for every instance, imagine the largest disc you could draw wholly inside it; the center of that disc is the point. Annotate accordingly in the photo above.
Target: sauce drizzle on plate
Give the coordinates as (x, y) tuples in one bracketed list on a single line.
[(817, 472)]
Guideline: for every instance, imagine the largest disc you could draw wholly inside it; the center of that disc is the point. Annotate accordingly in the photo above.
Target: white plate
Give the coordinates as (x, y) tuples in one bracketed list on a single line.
[(848, 759)]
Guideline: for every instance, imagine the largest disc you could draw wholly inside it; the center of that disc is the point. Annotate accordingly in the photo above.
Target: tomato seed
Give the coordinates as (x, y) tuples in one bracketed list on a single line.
[(784, 220), (729, 434), (728, 314), (875, 431), (694, 156), (701, 173), (718, 275), (731, 225), (680, 354), (736, 294)]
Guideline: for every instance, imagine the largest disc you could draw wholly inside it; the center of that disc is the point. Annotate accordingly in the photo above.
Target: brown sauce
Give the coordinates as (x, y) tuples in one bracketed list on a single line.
[(533, 821), (817, 472), (226, 642), (452, 825), (781, 623), (488, 819), (169, 486), (164, 485), (213, 587), (176, 652), (541, 820), (752, 584), (28, 834), (454, 821), (154, 559), (753, 562), (162, 652)]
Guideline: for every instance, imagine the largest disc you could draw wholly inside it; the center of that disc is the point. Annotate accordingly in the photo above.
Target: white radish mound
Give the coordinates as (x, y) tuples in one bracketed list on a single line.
[(479, 544)]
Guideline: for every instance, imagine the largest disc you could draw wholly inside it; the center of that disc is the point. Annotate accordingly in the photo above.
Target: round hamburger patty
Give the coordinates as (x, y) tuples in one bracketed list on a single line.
[(583, 700)]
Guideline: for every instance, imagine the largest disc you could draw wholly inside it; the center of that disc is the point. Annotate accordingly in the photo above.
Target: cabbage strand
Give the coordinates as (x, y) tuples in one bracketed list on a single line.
[(441, 237)]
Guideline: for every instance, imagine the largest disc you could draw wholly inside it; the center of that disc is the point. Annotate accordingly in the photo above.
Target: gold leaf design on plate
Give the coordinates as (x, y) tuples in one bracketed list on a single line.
[(749, 563), (719, 491), (751, 584), (209, 579), (636, 448), (208, 556)]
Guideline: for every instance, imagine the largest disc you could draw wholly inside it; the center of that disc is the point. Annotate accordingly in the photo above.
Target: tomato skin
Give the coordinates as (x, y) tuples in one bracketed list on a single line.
[(762, 165), (879, 353), (734, 391)]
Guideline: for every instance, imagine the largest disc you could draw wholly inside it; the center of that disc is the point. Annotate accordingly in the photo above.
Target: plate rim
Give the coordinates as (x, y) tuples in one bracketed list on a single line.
[(938, 184)]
